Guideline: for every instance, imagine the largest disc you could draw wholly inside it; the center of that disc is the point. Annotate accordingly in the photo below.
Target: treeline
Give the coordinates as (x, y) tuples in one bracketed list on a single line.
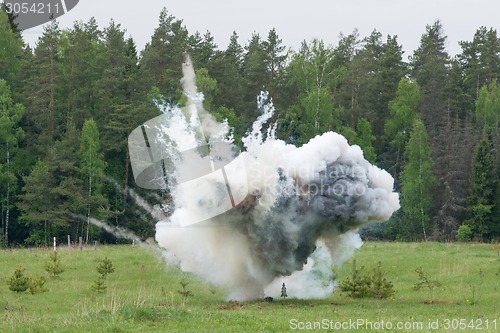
[(68, 104)]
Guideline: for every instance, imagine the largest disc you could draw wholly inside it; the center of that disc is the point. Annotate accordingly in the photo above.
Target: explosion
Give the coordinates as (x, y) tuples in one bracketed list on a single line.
[(248, 221)]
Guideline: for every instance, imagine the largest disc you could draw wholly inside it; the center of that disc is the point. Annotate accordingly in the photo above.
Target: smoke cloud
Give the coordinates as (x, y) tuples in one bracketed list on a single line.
[(273, 213)]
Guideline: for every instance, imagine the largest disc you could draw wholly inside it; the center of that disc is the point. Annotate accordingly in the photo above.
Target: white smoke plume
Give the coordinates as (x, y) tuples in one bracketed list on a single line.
[(290, 211)]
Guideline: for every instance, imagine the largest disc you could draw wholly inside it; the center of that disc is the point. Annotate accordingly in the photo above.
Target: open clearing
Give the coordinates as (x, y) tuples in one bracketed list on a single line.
[(143, 295)]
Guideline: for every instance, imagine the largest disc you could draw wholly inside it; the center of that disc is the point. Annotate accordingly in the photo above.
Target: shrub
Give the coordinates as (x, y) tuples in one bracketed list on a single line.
[(464, 233)]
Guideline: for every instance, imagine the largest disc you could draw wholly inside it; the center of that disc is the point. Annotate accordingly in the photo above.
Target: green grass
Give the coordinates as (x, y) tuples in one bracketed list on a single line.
[(142, 294)]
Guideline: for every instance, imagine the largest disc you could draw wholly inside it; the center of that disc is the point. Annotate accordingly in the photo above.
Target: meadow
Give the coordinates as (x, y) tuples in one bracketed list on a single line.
[(143, 295)]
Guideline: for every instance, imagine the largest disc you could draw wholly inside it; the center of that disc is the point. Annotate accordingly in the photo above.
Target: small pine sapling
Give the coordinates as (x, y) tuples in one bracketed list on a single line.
[(37, 285), (105, 267), (380, 287), (99, 285), (54, 266), (283, 291), (358, 285), (425, 283), (18, 282), (184, 291)]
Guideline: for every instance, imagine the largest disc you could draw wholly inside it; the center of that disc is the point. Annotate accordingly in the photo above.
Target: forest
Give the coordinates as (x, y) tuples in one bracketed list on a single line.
[(68, 104)]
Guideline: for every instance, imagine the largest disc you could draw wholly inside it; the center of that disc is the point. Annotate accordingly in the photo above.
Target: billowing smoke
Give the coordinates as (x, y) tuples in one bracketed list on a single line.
[(273, 213)]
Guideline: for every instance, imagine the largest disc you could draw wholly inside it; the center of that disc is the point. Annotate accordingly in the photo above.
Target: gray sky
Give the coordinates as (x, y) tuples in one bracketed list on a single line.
[(294, 20)]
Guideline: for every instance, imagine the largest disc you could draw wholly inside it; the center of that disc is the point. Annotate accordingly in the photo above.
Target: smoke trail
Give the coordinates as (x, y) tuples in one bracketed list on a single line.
[(300, 202)]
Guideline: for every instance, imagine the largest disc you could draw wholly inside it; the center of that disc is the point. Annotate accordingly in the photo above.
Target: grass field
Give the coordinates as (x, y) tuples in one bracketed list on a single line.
[(142, 295)]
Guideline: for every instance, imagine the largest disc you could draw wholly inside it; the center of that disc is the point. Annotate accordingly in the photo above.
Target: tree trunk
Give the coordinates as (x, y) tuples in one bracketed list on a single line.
[(7, 212), (88, 210)]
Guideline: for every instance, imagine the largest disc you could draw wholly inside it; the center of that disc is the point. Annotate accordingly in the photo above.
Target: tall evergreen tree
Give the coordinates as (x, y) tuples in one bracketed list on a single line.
[(10, 50), (161, 61), (372, 79), (10, 135), (482, 196), (480, 61), (81, 66), (44, 105), (275, 61), (55, 188), (432, 70), (35, 202), (202, 50)]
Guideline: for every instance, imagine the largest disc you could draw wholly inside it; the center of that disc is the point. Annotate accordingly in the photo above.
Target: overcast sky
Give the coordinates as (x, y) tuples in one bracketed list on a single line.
[(294, 20)]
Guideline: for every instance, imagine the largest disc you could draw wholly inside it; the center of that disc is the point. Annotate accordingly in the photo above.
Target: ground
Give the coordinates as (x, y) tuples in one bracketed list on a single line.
[(143, 295)]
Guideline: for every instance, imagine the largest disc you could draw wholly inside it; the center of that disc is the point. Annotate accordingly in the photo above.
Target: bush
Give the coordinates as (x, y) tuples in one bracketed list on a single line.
[(464, 233)]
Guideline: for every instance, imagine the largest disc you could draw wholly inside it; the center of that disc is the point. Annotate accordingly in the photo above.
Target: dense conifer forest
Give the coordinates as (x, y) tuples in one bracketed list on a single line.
[(68, 103)]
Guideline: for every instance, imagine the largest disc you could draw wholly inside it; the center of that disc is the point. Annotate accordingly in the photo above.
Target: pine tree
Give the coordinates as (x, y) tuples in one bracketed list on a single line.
[(10, 135), (482, 196), (44, 105), (11, 50), (81, 66), (417, 182), (105, 267), (371, 80), (443, 117), (283, 291), (161, 60), (53, 191), (18, 282), (479, 61), (35, 202), (275, 61), (54, 266)]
